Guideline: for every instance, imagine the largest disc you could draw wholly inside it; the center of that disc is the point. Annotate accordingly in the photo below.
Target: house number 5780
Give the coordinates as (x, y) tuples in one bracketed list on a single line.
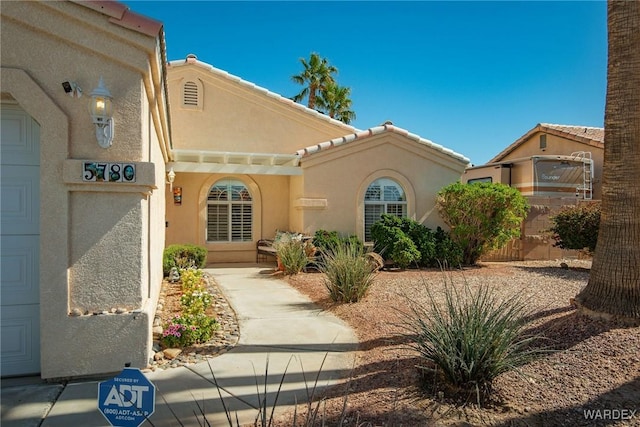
[(108, 172)]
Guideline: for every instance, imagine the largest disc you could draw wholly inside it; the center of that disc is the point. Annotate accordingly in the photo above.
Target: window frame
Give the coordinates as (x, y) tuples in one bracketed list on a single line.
[(383, 203), (232, 204)]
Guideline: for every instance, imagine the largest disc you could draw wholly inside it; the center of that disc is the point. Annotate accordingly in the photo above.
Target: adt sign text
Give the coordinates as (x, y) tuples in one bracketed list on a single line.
[(127, 399)]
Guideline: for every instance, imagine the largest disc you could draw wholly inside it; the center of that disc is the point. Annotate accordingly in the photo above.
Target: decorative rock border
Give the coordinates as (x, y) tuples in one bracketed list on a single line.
[(225, 338)]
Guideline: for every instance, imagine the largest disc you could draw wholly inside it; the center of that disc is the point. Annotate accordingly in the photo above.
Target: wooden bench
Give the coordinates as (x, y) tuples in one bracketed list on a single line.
[(264, 249)]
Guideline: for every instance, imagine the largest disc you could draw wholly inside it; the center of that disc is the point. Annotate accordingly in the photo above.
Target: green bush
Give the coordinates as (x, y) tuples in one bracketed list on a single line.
[(576, 227), (471, 337), (447, 252), (348, 273), (392, 239), (183, 256), (404, 251), (433, 248), (481, 216)]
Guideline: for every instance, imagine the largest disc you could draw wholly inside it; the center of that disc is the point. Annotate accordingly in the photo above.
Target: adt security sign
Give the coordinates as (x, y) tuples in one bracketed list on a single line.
[(127, 399)]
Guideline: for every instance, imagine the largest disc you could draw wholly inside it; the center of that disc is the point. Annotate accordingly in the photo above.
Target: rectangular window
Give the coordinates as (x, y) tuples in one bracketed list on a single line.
[(483, 179), (396, 209), (218, 223), (372, 214), (241, 223)]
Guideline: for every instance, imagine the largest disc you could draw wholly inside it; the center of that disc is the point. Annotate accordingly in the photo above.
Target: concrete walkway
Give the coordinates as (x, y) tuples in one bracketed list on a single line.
[(281, 332)]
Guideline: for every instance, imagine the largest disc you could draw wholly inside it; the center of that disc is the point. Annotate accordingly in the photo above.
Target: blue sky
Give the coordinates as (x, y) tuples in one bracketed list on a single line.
[(472, 76)]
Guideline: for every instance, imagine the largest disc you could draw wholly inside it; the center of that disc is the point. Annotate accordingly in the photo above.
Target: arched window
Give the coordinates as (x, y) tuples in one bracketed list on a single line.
[(383, 196), (229, 212)]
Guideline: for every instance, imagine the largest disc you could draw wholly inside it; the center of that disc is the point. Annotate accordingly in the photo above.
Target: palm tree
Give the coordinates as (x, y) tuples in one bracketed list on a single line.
[(614, 282), (334, 100), (317, 73)]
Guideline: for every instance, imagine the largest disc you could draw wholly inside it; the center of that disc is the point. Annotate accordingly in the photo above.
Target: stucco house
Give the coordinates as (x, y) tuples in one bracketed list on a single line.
[(81, 251), (192, 155), (549, 160), (249, 162), (551, 165)]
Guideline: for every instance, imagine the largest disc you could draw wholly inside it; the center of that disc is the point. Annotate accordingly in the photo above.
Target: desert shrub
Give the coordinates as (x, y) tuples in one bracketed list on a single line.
[(293, 251), (348, 273), (576, 227), (292, 256), (183, 256), (326, 240), (481, 216), (187, 329), (471, 337)]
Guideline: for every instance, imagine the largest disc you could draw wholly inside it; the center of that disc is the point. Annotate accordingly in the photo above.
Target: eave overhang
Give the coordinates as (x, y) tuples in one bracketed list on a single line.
[(200, 161)]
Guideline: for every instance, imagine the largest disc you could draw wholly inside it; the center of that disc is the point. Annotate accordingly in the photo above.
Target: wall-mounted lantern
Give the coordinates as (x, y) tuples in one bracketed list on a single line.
[(171, 176), (101, 110)]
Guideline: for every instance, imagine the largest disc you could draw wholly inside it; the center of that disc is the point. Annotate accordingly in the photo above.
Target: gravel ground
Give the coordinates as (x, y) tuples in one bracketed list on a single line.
[(224, 338), (596, 366)]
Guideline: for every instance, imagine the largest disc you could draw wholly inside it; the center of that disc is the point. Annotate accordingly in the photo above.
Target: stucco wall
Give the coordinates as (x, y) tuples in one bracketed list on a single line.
[(341, 176), (557, 145), (235, 117), (187, 222), (96, 239)]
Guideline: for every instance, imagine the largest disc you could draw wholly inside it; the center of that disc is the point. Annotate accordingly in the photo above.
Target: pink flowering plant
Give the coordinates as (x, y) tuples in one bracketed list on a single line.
[(185, 330)]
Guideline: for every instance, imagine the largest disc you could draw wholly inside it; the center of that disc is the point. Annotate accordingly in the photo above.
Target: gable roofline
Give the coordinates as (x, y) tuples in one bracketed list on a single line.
[(120, 14), (378, 130), (593, 136), (193, 60)]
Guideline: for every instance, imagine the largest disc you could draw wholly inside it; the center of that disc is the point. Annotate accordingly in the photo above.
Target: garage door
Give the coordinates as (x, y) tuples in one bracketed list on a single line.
[(19, 242)]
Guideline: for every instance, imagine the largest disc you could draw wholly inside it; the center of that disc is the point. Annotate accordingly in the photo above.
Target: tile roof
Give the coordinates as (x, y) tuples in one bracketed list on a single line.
[(583, 132), (193, 60), (592, 136), (360, 135), (121, 15)]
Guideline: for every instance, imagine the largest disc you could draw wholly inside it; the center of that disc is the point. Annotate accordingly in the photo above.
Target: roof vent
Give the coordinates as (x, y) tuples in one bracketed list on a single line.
[(388, 122), (190, 94), (191, 58)]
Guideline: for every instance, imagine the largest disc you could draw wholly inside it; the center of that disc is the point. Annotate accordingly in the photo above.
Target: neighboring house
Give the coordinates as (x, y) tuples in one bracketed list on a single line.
[(249, 162), (549, 160), (81, 260), (83, 227), (552, 165)]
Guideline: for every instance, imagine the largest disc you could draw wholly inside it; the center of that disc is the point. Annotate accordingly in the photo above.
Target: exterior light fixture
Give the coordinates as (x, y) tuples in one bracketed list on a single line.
[(101, 110), (171, 176)]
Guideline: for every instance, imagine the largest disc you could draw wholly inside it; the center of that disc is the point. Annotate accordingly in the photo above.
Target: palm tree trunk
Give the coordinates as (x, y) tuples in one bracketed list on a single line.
[(614, 282)]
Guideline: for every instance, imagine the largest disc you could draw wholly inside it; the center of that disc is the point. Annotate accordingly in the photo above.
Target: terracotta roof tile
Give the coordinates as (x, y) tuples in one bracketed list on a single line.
[(592, 133), (121, 15), (312, 149), (593, 136)]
